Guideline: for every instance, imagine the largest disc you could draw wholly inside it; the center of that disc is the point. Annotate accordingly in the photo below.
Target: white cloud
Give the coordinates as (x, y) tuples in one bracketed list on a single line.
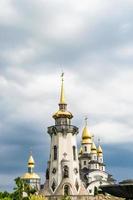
[(8, 13)]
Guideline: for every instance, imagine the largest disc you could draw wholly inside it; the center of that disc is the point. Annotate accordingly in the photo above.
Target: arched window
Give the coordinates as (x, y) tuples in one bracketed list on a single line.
[(66, 171), (74, 153), (84, 162), (66, 190), (55, 152)]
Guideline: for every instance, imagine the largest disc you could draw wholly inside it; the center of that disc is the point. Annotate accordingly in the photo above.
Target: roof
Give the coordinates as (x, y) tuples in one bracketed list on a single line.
[(93, 148), (86, 134), (99, 150), (62, 113), (30, 176)]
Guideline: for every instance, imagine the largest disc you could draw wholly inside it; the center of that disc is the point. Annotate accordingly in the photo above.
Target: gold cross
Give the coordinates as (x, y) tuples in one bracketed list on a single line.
[(86, 120), (62, 76), (99, 141)]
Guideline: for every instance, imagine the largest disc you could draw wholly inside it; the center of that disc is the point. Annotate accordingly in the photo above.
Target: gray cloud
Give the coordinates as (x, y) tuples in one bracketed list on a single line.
[(92, 41)]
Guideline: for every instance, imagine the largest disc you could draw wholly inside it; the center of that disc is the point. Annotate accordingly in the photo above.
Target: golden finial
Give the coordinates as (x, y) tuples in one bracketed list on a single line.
[(93, 136), (62, 97), (98, 141), (31, 161)]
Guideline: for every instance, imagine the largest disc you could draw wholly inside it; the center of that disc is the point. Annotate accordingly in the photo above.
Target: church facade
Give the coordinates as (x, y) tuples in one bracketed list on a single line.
[(91, 162), (69, 172)]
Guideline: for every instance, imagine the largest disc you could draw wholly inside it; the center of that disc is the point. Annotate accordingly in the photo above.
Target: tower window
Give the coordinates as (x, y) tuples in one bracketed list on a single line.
[(66, 171), (55, 152), (84, 162), (74, 153), (66, 190), (85, 148)]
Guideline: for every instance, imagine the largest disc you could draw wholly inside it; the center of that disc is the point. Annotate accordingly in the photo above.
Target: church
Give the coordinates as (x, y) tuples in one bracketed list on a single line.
[(73, 172), (91, 163)]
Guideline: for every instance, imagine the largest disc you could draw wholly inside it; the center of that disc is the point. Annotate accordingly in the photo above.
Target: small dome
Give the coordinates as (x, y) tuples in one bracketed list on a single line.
[(99, 150), (86, 136), (31, 161), (30, 176), (93, 148), (62, 113)]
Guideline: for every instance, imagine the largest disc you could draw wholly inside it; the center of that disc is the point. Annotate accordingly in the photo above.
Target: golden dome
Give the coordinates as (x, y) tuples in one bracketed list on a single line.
[(93, 148), (31, 161), (30, 176), (62, 113), (99, 150), (86, 136)]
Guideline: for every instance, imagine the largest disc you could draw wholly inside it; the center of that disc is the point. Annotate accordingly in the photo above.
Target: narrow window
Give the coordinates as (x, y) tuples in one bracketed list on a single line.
[(74, 153), (66, 172), (77, 185), (84, 162), (53, 186), (55, 152), (85, 148), (66, 190)]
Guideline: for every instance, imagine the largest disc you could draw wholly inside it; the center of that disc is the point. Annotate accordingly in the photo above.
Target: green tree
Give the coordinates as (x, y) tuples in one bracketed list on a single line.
[(29, 190), (21, 187), (5, 195), (37, 197), (18, 190), (7, 198)]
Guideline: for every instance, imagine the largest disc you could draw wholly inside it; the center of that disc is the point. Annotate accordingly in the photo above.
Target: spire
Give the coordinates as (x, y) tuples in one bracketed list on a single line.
[(62, 112), (62, 96)]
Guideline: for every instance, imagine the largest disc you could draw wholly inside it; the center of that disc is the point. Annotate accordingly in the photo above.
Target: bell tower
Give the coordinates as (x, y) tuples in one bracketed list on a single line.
[(63, 177)]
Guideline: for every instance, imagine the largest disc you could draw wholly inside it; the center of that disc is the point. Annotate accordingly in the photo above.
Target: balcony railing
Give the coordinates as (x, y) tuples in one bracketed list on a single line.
[(64, 129)]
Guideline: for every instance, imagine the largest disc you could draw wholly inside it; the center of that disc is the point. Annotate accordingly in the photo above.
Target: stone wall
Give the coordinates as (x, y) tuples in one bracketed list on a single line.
[(98, 197)]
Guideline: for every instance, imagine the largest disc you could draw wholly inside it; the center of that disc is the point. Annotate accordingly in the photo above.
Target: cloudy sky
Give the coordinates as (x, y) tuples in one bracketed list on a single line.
[(92, 42)]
